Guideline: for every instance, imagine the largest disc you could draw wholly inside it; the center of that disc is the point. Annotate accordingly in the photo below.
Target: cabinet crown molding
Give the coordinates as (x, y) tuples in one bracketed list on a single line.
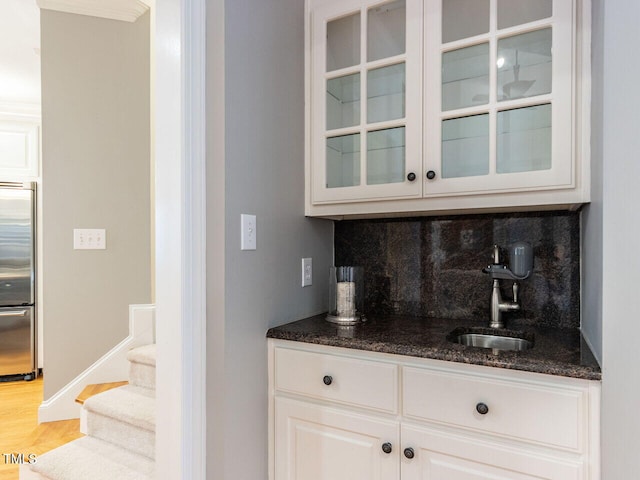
[(124, 10)]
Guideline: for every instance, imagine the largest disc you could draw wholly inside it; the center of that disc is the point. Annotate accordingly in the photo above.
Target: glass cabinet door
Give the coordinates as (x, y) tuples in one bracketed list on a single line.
[(366, 87), (501, 119)]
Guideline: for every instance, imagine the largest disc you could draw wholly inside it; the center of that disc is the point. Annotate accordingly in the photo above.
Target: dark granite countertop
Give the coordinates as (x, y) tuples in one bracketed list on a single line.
[(556, 351)]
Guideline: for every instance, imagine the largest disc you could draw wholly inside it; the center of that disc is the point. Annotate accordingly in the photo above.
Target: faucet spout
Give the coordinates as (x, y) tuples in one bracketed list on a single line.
[(499, 305)]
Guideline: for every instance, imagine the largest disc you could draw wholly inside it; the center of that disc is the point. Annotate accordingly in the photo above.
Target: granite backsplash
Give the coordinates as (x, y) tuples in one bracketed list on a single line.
[(432, 266)]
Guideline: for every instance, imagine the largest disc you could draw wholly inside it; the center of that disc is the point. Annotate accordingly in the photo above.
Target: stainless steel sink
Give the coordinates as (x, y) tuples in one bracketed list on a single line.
[(496, 339)]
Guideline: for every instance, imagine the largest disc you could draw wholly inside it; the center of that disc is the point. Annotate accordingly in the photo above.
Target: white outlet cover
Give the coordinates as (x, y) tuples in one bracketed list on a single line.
[(307, 272)]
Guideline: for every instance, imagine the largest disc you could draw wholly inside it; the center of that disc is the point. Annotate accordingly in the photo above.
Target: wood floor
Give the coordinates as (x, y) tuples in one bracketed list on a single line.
[(91, 390), (19, 429)]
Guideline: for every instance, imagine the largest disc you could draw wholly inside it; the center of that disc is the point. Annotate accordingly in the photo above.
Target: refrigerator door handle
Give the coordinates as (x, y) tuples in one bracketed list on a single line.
[(14, 313)]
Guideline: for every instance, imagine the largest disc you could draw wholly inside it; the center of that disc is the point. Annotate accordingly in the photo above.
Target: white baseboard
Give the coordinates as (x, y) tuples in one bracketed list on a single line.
[(112, 367)]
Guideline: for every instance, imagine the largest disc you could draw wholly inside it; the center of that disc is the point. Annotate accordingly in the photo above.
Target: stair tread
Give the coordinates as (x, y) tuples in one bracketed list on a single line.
[(145, 354), (91, 458), (96, 388), (129, 404)]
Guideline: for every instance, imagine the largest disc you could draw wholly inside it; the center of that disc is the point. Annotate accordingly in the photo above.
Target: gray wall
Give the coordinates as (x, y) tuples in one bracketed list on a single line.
[(95, 134), (616, 131), (592, 214), (262, 81)]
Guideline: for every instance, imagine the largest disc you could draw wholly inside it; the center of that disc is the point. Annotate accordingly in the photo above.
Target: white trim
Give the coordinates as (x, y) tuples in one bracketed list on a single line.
[(595, 409), (168, 237), (180, 238), (125, 10), (583, 106), (111, 367), (194, 235), (30, 111)]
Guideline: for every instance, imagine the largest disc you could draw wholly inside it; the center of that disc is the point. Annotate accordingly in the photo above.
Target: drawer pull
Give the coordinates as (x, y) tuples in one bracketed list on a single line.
[(386, 447), (409, 453), (327, 379), (482, 408)]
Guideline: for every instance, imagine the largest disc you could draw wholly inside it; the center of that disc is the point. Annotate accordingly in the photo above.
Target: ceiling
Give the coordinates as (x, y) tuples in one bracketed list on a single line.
[(20, 52)]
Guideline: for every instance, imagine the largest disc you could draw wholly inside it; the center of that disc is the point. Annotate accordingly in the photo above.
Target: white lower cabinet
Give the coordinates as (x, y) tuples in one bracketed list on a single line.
[(420, 419), (321, 443)]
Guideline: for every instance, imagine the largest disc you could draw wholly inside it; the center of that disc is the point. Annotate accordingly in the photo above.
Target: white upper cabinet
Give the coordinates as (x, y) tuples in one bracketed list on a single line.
[(19, 148), (366, 83), (441, 105), (500, 74)]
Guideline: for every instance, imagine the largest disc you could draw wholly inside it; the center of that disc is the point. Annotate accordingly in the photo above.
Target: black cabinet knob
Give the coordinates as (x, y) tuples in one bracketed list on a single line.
[(386, 447), (431, 174), (327, 379), (409, 453), (482, 408), (411, 176)]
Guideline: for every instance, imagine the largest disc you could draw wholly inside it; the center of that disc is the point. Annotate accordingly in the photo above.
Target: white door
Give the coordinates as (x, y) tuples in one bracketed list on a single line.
[(441, 456), (322, 443), (498, 96), (366, 88)]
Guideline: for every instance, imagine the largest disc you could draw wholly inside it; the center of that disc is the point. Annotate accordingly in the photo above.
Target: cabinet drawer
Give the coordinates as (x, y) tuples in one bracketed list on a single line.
[(538, 413), (350, 381)]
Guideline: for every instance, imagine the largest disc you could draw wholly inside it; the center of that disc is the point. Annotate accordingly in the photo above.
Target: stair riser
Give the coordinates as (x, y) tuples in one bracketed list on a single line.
[(142, 375), (125, 435), (27, 474), (88, 458)]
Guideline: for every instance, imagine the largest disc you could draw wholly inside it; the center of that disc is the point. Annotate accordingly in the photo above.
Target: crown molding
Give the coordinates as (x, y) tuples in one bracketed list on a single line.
[(124, 10)]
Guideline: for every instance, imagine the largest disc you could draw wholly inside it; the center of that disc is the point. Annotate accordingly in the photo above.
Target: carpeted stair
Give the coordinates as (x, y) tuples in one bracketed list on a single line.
[(119, 425)]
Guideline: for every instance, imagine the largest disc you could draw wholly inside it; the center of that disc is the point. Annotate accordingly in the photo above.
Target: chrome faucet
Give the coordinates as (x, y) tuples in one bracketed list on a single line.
[(498, 305), (499, 271)]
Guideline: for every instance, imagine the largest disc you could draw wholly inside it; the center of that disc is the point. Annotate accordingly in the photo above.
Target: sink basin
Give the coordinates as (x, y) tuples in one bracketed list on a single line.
[(496, 339)]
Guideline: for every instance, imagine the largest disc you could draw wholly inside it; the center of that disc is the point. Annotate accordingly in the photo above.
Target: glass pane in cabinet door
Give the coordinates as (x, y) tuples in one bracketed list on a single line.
[(464, 19), (343, 42), (343, 101), (524, 65), (465, 77), (465, 146), (343, 161), (524, 139), (386, 30), (517, 12), (386, 93), (385, 156)]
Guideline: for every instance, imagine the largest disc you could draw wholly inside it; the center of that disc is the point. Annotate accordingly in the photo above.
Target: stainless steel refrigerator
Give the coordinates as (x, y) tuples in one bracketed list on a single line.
[(17, 281)]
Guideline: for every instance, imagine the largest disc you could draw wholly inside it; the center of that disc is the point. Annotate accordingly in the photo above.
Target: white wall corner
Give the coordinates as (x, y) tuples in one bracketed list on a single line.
[(125, 10), (111, 367)]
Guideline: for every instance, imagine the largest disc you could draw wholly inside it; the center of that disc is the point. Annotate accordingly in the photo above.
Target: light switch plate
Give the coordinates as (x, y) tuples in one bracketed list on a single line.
[(89, 239), (307, 272), (248, 232)]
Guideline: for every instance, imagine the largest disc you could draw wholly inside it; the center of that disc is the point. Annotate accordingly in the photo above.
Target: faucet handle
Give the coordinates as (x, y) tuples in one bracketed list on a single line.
[(496, 254), (516, 288)]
